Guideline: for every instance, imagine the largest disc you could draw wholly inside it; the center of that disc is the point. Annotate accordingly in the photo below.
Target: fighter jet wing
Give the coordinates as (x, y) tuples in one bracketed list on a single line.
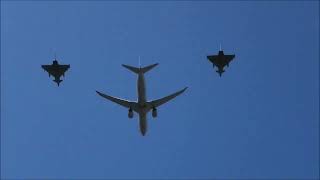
[(63, 68), (229, 58), (122, 102), (47, 68), (213, 59), (216, 62), (51, 70), (222, 62), (161, 101)]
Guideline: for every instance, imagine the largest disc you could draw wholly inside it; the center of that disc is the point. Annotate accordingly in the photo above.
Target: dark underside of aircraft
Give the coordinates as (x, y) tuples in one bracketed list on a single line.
[(56, 70), (220, 61)]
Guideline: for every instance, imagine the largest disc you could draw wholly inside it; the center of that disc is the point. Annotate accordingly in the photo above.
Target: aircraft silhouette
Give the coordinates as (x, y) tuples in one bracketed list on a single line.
[(142, 106), (220, 61), (56, 70)]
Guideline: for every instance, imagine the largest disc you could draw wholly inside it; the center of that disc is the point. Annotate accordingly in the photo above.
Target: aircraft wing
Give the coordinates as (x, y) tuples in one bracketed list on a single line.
[(122, 102), (222, 62), (56, 71), (52, 71), (161, 101), (48, 68), (216, 62), (213, 58), (63, 68), (229, 58)]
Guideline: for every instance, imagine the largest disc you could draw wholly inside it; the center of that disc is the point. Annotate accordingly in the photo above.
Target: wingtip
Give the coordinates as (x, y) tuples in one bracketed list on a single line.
[(184, 89), (126, 66), (153, 65), (99, 93)]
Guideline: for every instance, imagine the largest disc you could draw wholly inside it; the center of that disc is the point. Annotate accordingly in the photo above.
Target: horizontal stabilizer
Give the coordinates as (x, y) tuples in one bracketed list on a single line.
[(133, 69), (140, 70)]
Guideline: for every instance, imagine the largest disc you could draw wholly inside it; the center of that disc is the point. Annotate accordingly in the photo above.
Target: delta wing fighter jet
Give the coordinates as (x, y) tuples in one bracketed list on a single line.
[(141, 106), (56, 70), (221, 60)]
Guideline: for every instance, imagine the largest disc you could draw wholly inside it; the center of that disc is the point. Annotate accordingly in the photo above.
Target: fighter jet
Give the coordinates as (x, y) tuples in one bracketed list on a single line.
[(141, 106), (220, 61), (56, 70)]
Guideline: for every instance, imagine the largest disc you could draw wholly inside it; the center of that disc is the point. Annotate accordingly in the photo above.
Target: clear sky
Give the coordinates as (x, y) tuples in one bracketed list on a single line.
[(259, 120)]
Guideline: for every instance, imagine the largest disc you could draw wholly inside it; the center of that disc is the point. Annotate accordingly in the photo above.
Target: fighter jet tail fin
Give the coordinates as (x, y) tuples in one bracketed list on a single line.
[(220, 72), (140, 70), (58, 81)]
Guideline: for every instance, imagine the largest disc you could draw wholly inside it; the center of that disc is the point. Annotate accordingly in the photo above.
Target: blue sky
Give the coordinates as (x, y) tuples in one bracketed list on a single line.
[(259, 120)]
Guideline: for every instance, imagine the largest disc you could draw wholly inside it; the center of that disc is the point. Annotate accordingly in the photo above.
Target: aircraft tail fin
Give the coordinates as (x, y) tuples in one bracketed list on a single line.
[(140, 70), (220, 72), (58, 81)]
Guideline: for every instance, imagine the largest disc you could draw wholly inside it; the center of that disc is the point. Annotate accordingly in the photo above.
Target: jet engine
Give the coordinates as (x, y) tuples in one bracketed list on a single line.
[(130, 114), (154, 112)]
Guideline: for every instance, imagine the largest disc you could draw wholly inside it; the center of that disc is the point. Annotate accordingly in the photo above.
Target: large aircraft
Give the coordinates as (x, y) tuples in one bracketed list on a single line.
[(221, 60), (142, 106), (56, 70)]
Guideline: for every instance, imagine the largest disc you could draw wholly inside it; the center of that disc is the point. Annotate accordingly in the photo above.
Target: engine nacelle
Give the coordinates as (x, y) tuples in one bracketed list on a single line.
[(154, 112), (130, 114)]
